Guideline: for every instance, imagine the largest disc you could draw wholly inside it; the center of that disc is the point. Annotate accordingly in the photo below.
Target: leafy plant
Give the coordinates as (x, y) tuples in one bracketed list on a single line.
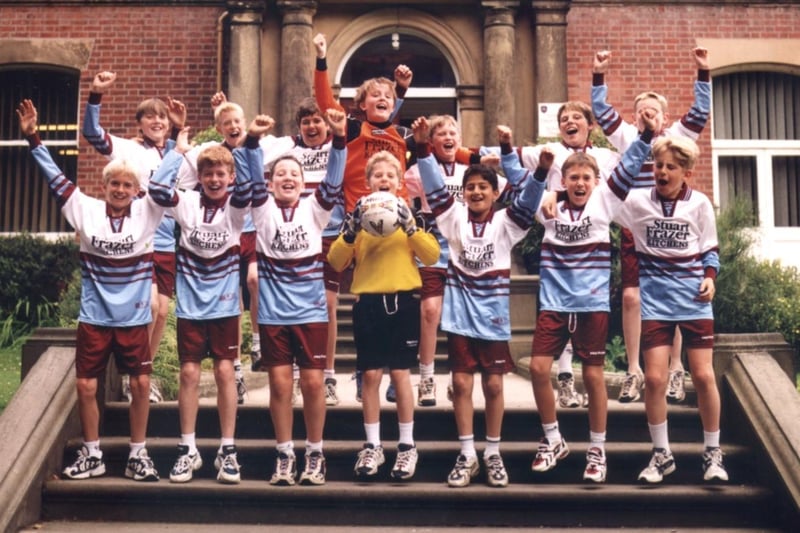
[(207, 135)]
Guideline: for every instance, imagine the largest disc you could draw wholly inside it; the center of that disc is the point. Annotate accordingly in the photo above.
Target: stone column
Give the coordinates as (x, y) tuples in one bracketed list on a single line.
[(470, 105), (551, 49), (498, 65), (244, 75), (297, 60)]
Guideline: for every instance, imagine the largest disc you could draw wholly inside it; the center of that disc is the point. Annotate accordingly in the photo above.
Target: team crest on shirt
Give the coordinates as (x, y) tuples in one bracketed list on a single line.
[(113, 247), (290, 238), (573, 232), (665, 234), (314, 160)]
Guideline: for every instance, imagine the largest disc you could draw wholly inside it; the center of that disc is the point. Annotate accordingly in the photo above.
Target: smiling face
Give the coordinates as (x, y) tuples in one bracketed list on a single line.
[(376, 98), (445, 140), (286, 181), (383, 173), (574, 126), (480, 193), (153, 121), (579, 181), (314, 130), (669, 175), (230, 123), (215, 171), (120, 189)]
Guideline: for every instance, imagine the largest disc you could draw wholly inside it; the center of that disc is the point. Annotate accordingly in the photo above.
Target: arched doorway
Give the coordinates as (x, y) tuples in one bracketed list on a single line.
[(433, 88)]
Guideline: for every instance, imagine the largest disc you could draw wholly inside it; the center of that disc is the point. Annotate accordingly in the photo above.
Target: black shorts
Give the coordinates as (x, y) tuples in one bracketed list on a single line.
[(386, 330)]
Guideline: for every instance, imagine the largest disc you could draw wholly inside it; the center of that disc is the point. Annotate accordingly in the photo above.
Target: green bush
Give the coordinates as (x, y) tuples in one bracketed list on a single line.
[(33, 274), (207, 135), (753, 296)]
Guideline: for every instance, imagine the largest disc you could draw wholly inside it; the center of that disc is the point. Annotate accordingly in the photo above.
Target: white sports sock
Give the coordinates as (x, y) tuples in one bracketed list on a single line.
[(313, 447), (551, 432), (93, 446), (256, 344), (135, 447), (329, 373), (565, 360), (711, 439), (188, 439), (467, 445), (406, 433), (285, 447), (492, 447), (597, 440), (426, 371), (659, 435), (373, 432)]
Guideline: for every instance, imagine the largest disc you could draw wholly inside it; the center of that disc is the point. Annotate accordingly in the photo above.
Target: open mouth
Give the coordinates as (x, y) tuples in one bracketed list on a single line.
[(571, 130), (663, 182)]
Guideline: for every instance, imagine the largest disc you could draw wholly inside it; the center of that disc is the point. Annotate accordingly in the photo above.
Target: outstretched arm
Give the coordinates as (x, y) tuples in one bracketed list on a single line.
[(322, 87), (92, 130)]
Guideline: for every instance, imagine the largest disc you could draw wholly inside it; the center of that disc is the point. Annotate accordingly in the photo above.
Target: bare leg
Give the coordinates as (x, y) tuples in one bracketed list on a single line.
[(140, 407), (543, 388), (280, 401), (313, 388), (88, 410), (188, 400), (463, 407), (226, 397)]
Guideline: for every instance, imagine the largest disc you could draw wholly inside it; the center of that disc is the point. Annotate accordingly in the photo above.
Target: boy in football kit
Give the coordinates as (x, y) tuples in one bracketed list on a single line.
[(386, 313), (475, 313), (229, 121), (445, 143), (575, 124), (157, 121), (574, 290), (675, 234), (312, 148), (293, 312), (207, 282), (116, 256), (621, 134)]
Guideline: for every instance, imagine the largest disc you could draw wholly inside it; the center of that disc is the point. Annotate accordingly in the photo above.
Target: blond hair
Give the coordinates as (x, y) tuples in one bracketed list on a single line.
[(383, 157), (683, 149), (440, 121), (662, 101), (119, 167), (580, 159), (227, 107), (214, 155)]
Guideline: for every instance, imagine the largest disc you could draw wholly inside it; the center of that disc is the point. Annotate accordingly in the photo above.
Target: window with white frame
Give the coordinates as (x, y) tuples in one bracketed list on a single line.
[(25, 200), (756, 145)]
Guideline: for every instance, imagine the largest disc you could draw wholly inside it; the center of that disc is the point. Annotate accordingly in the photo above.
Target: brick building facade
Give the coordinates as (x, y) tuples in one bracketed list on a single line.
[(506, 57)]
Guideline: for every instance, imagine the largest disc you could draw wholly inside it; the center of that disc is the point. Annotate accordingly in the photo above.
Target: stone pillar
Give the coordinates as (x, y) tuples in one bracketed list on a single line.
[(470, 105), (498, 64), (244, 75), (551, 49), (297, 60)]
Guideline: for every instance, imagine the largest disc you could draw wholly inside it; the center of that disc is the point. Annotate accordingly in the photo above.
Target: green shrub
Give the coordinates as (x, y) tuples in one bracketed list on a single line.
[(33, 274), (753, 296), (207, 135)]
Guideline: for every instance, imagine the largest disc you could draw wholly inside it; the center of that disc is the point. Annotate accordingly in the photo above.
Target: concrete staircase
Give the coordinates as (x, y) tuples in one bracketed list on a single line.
[(557, 499)]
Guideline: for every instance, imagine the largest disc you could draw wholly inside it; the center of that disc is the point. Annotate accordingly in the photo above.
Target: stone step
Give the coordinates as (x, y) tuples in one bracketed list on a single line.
[(417, 504), (436, 459)]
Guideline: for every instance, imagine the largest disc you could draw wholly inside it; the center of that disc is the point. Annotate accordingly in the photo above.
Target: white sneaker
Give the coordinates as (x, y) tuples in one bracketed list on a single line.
[(331, 398), (155, 394), (85, 466), (241, 388), (370, 458), (285, 470), (463, 472), (548, 455), (661, 464), (296, 394), (496, 475), (713, 468), (141, 468), (186, 465), (227, 465), (676, 392), (426, 392), (567, 395), (315, 469), (595, 465), (631, 387), (406, 463)]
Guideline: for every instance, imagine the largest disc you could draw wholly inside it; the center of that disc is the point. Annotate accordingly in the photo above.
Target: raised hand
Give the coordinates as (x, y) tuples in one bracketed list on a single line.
[(217, 99), (490, 160), (182, 144), (601, 61), (403, 76), (351, 224), (260, 126), (701, 58), (176, 113), (504, 135), (648, 116), (422, 130), (102, 81), (337, 120), (321, 45), (546, 158), (28, 117)]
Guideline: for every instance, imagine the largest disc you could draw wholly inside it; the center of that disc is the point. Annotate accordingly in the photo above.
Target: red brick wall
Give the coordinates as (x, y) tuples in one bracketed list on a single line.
[(155, 51), (651, 48)]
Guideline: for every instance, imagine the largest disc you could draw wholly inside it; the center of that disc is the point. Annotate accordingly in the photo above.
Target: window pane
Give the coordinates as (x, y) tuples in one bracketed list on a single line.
[(25, 200), (757, 105), (786, 186), (737, 180), (378, 57)]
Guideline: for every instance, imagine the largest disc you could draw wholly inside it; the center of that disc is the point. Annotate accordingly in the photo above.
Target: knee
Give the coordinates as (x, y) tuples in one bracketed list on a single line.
[(540, 369), (462, 384), (655, 381), (86, 387), (493, 388), (630, 297), (430, 314), (704, 379)]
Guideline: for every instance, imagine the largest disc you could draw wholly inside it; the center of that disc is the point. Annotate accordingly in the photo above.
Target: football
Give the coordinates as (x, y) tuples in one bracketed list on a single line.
[(379, 215)]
